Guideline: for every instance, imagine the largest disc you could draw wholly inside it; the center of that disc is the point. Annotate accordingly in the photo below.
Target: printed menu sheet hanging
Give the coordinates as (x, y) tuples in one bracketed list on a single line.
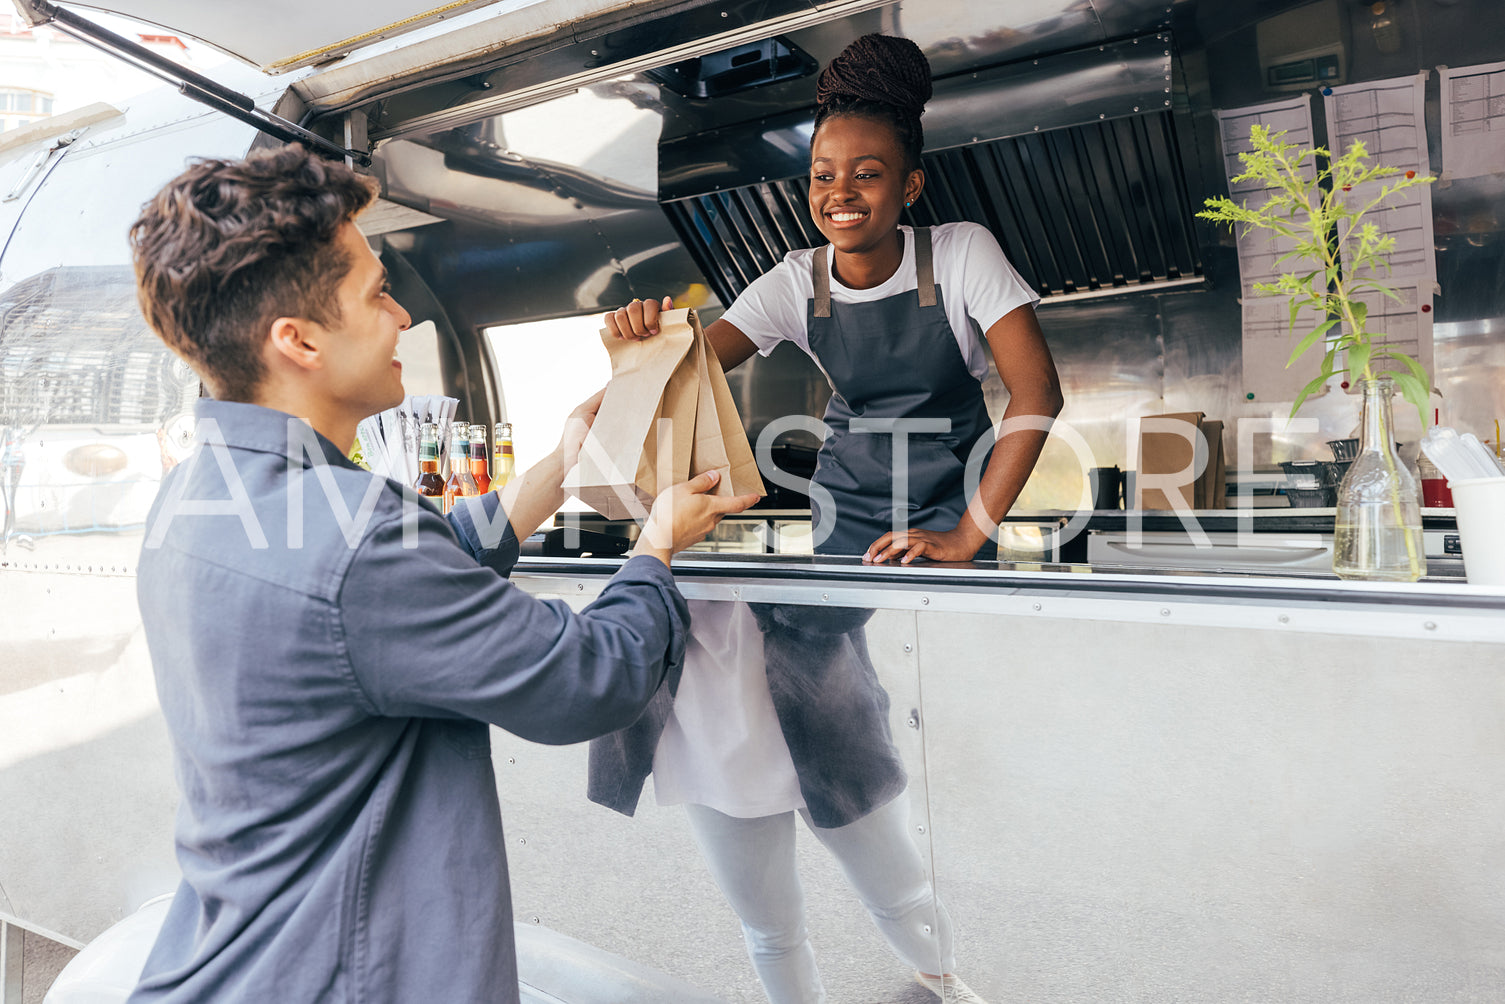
[(1388, 117), (1268, 337), (1473, 120)]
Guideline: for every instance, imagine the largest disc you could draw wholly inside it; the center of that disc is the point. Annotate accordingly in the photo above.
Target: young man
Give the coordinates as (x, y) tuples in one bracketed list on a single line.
[(327, 678)]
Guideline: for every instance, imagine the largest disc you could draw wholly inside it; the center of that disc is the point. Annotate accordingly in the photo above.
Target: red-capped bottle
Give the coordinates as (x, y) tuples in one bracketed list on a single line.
[(478, 459)]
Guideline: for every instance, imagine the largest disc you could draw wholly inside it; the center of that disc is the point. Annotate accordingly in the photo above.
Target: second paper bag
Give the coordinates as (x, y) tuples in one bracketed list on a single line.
[(631, 454)]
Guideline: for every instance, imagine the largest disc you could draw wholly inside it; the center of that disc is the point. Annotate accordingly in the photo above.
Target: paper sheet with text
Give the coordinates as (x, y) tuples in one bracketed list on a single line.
[(1267, 335), (1473, 120)]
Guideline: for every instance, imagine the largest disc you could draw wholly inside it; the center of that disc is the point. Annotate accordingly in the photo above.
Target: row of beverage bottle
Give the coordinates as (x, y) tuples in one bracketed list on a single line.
[(468, 472)]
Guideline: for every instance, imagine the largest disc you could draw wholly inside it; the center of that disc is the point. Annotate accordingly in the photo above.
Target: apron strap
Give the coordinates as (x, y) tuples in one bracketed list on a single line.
[(924, 266), (821, 273)]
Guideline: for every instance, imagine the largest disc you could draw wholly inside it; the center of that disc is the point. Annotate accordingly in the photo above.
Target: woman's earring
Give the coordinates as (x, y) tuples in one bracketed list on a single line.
[(908, 204)]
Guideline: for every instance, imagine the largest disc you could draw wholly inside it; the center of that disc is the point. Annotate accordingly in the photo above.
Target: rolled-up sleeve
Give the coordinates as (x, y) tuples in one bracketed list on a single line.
[(485, 531), (430, 632)]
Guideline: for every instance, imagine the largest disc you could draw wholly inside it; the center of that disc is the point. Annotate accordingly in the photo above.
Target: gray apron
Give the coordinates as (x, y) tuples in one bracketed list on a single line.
[(887, 359), (891, 358)]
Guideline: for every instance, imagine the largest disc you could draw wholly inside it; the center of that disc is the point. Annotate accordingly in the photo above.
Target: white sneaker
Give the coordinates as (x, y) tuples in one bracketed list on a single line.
[(949, 989)]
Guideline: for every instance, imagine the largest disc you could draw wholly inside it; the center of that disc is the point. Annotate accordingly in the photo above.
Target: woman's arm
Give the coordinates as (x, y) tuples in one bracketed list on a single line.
[(1028, 372)]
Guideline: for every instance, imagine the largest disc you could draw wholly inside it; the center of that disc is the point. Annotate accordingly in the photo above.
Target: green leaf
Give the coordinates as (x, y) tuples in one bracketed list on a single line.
[(1414, 391), (1360, 311), (1358, 357), (1308, 390), (1309, 340)]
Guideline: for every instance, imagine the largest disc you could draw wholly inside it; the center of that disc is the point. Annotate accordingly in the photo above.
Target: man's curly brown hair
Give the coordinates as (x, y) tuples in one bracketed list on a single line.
[(229, 246)]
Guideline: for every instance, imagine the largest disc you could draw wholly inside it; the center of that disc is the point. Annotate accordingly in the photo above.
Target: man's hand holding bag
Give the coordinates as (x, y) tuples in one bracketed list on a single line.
[(667, 416)]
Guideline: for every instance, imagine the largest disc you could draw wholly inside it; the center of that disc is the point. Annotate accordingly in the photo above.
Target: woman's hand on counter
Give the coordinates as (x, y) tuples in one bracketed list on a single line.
[(637, 320), (960, 544)]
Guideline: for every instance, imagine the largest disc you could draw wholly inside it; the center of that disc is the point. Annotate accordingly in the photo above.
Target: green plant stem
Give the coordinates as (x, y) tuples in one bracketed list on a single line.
[(1385, 440), (1329, 257)]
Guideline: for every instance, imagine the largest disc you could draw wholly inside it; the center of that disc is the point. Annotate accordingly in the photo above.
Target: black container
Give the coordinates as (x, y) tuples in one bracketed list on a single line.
[(1310, 498), (1309, 483), (1305, 473), (1347, 449), (1335, 471), (1343, 449), (1106, 486)]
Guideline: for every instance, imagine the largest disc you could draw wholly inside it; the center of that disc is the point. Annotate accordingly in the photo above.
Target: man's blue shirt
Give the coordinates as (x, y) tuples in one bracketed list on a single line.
[(327, 698)]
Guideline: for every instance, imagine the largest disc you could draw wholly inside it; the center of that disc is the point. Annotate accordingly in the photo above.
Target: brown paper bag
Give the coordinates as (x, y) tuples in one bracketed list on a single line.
[(1167, 477), (720, 440), (667, 416), (1212, 486)]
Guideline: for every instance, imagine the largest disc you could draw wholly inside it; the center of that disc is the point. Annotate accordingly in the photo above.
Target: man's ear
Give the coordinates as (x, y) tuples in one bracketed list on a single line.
[(295, 340)]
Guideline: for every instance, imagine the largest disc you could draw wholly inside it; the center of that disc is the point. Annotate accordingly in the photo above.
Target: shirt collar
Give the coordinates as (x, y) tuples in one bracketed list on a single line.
[(266, 430)]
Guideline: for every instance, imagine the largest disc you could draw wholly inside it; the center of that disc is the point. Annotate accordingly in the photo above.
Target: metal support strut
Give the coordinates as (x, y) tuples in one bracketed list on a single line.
[(190, 83)]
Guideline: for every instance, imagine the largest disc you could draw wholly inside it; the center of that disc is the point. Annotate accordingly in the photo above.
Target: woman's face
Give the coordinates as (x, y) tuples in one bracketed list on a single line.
[(858, 182)]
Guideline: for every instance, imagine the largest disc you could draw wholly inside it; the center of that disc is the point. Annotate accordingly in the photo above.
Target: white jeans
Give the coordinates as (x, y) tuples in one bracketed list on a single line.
[(752, 860)]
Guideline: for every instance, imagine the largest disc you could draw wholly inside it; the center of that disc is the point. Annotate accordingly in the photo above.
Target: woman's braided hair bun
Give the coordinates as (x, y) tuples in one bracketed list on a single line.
[(878, 68), (880, 77)]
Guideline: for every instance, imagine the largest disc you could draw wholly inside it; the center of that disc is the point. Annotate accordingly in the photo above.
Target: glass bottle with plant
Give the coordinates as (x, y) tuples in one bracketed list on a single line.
[(1337, 256)]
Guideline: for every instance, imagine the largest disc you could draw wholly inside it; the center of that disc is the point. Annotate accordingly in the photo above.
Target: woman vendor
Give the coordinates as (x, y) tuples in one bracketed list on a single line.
[(901, 320)]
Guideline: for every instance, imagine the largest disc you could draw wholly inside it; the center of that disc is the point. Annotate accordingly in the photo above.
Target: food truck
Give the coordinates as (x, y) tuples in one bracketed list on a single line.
[(1151, 755)]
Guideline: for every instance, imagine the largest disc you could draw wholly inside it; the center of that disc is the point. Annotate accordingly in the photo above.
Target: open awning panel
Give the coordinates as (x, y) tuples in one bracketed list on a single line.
[(279, 35)]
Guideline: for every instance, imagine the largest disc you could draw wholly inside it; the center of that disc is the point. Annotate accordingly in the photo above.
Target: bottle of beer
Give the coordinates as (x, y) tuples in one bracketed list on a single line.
[(429, 482), (478, 459), (503, 466), (460, 482)]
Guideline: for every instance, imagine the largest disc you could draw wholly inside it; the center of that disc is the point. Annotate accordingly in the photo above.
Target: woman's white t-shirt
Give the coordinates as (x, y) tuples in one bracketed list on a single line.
[(978, 286), (722, 746)]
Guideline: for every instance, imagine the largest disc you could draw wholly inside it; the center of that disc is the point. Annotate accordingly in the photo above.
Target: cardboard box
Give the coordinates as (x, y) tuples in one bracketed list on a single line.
[(1181, 463)]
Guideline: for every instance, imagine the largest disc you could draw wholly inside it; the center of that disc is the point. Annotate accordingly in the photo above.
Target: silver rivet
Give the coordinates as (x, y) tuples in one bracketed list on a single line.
[(823, 596), (522, 841), (1037, 128), (580, 586), (920, 828), (1165, 611), (1035, 606), (1430, 625), (1136, 108), (908, 647), (1285, 619), (512, 759), (912, 721), (533, 919), (1102, 115), (926, 928), (925, 600), (736, 591)]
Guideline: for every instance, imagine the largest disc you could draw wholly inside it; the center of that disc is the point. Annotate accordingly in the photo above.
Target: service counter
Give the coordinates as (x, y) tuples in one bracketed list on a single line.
[(1132, 785)]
